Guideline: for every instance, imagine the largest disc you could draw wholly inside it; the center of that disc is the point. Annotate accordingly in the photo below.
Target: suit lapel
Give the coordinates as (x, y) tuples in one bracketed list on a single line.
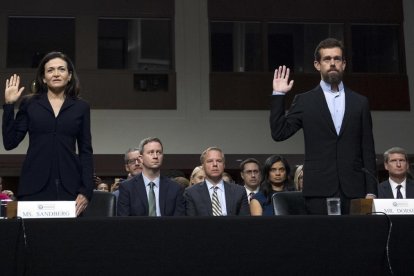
[(67, 103), (228, 192), (163, 195), (388, 190), (44, 102), (348, 110), (409, 188), (141, 192), (205, 197), (325, 113)]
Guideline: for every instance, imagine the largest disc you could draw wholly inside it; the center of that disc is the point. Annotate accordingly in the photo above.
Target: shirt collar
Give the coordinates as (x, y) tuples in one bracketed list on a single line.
[(395, 184), (249, 191), (147, 180), (326, 87), (220, 185)]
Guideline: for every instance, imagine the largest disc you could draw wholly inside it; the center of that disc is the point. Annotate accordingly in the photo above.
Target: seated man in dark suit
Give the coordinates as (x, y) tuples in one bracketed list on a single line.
[(132, 167), (149, 193), (215, 197), (397, 185)]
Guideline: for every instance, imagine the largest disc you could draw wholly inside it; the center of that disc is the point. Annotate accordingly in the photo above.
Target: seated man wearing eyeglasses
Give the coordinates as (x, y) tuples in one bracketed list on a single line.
[(250, 173)]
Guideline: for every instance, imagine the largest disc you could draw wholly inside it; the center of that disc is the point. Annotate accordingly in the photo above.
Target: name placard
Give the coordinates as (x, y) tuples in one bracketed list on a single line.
[(46, 209), (394, 206)]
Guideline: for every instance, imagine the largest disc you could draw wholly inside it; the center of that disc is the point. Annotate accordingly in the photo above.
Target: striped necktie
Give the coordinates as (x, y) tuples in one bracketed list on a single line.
[(215, 203)]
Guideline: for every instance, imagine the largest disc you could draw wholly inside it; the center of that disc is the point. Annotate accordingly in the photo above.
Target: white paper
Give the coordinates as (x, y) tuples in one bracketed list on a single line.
[(46, 209), (394, 206)]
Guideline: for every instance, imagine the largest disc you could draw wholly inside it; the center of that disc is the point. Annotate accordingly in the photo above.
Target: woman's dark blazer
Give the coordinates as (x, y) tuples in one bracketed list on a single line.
[(52, 139)]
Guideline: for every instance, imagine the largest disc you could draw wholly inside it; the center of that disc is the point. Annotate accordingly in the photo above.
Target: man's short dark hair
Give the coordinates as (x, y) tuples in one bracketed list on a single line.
[(146, 141), (249, 160), (327, 44)]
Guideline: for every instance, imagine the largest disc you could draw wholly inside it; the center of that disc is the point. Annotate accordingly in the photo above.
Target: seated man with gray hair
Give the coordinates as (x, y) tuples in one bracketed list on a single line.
[(397, 185)]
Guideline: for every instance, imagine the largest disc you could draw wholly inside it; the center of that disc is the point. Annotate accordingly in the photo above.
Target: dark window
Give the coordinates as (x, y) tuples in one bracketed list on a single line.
[(236, 46), (293, 45), (375, 49), (30, 38), (141, 44)]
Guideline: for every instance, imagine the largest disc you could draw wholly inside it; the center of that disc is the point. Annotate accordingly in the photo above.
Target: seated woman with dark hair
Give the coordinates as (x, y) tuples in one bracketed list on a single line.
[(275, 174)]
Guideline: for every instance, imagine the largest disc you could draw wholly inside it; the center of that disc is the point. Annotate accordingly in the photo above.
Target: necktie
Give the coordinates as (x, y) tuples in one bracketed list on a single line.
[(399, 194), (215, 203), (151, 201)]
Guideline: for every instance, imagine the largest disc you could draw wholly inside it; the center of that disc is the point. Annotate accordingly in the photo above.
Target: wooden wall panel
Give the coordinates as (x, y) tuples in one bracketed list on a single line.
[(251, 91), (322, 10)]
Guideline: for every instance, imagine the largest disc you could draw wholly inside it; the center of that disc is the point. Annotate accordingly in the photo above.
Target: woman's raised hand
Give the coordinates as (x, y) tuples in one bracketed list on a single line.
[(12, 91)]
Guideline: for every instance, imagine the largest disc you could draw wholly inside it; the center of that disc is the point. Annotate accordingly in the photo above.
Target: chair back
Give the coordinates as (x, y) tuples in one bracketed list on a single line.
[(103, 204), (288, 203)]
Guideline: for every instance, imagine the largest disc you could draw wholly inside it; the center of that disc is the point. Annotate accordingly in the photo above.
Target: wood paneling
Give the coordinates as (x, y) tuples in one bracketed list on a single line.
[(304, 10), (103, 89), (108, 166), (113, 164), (143, 8), (251, 91)]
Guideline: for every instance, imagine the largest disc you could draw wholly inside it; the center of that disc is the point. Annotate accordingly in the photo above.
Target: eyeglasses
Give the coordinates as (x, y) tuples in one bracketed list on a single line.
[(133, 161), (251, 172)]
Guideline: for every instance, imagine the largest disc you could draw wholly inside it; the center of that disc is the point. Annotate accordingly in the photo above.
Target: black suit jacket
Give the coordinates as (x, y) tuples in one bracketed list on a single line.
[(198, 201), (133, 200), (332, 161), (384, 189), (52, 144)]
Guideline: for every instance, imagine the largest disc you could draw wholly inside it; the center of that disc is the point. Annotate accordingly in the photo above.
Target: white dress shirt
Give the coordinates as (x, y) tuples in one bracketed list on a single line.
[(394, 187), (336, 103), (156, 181)]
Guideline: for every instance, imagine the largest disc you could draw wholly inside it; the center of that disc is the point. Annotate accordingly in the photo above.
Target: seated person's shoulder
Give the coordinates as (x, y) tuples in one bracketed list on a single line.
[(384, 183), (237, 186), (192, 189), (127, 183)]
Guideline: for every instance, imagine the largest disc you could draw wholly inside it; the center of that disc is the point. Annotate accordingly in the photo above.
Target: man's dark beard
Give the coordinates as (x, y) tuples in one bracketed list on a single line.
[(333, 78)]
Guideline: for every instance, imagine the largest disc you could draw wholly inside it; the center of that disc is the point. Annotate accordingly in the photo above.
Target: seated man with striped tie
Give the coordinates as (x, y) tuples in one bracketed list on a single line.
[(215, 197), (149, 193), (397, 185)]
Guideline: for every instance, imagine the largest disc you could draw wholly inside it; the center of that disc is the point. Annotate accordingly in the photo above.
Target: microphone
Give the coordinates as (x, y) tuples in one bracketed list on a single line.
[(366, 171)]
